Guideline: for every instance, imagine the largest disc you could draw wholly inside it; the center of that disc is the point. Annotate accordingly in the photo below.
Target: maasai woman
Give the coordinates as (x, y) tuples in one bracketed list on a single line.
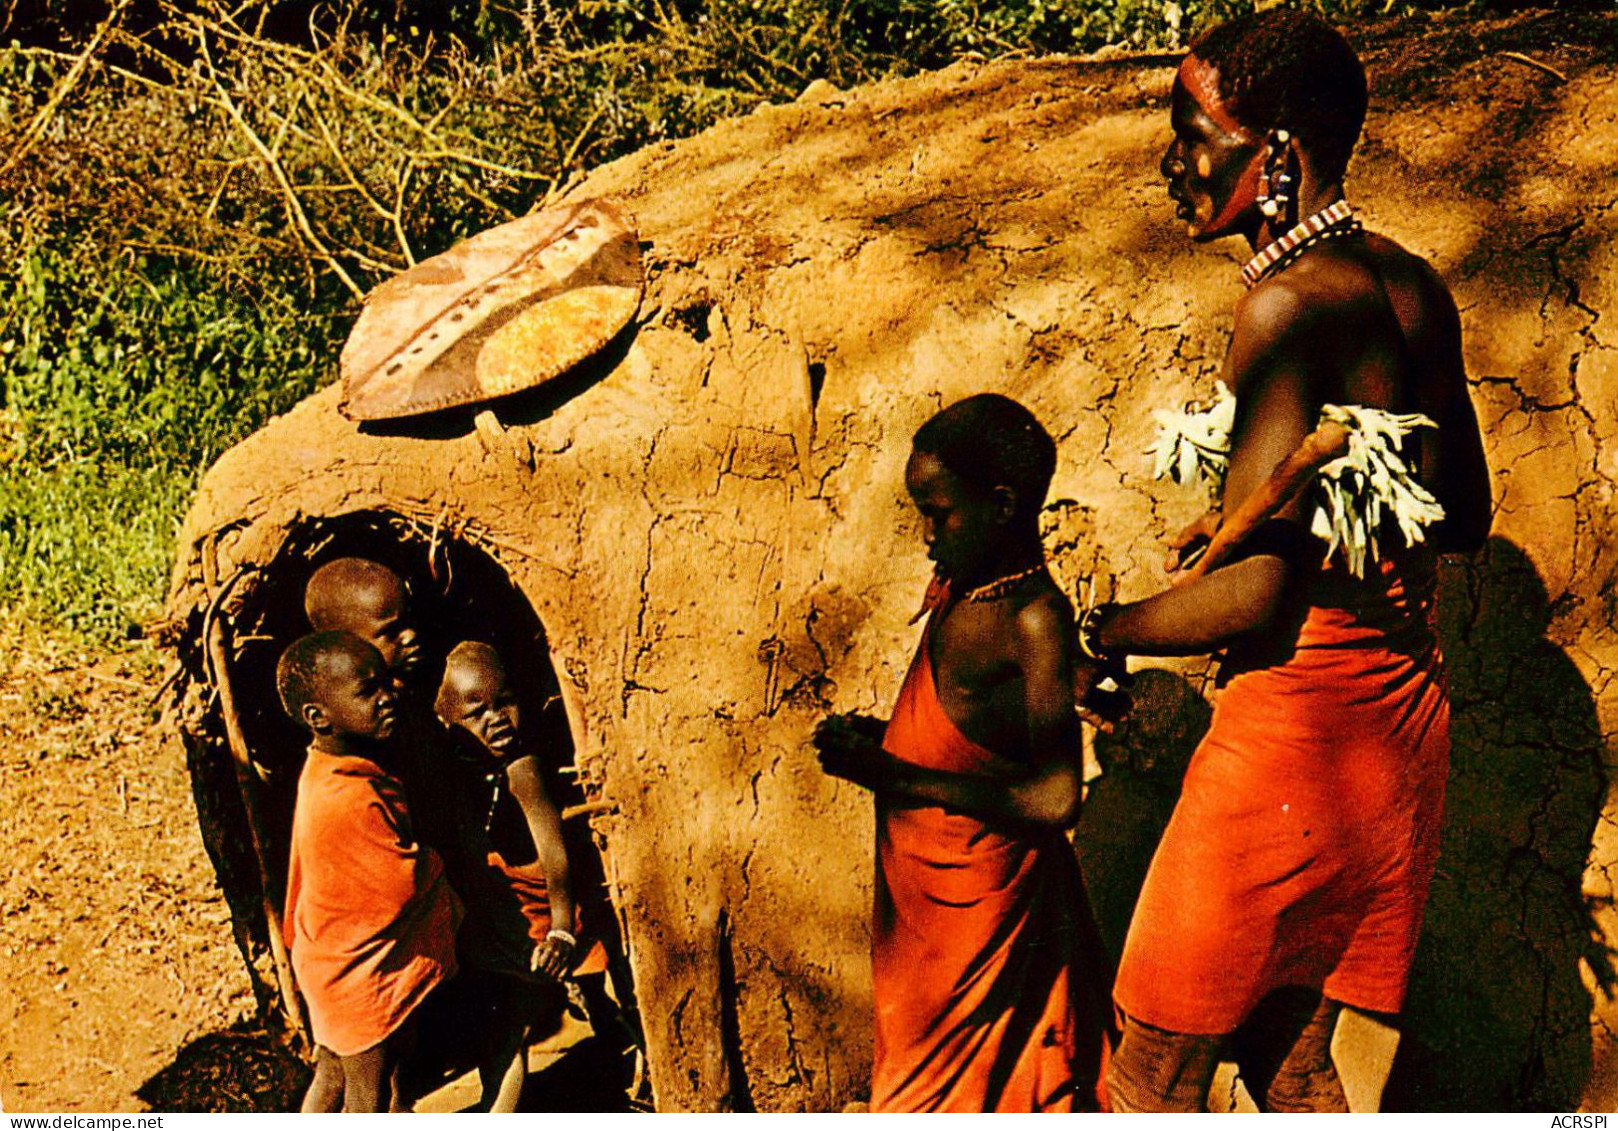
[(1293, 874)]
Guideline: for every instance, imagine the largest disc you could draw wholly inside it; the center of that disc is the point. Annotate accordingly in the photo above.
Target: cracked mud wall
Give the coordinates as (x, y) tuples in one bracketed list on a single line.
[(712, 525)]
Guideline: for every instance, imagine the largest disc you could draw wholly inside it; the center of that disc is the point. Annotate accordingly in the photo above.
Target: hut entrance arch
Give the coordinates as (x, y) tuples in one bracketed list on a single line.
[(244, 754)]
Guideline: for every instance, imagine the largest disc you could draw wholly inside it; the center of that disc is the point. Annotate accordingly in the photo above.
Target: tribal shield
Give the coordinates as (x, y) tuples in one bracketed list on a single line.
[(504, 311)]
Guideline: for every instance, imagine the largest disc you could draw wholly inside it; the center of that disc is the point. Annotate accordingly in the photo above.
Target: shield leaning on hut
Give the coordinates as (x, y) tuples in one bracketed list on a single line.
[(500, 313)]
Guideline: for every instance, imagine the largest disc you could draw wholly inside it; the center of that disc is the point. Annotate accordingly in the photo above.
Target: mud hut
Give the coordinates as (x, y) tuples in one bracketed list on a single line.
[(704, 531)]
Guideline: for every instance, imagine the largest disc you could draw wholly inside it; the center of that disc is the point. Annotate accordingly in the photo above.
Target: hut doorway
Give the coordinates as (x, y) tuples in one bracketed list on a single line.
[(245, 753)]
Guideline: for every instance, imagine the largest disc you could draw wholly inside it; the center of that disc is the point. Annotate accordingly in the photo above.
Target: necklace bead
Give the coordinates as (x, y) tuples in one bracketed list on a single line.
[(1333, 222), (1002, 585)]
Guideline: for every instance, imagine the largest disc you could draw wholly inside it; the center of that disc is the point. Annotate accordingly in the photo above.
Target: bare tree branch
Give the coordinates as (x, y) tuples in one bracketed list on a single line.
[(41, 119)]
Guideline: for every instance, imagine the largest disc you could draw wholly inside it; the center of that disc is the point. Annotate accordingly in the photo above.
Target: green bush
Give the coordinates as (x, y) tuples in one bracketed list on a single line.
[(84, 546), (145, 366), (119, 388)]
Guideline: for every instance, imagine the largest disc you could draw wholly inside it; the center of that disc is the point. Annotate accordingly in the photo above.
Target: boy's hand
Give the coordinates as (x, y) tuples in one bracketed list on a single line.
[(850, 748), (1186, 546), (552, 958), (871, 728)]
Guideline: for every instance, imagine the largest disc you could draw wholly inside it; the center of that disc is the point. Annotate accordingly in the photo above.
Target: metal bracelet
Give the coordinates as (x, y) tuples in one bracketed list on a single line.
[(1090, 632)]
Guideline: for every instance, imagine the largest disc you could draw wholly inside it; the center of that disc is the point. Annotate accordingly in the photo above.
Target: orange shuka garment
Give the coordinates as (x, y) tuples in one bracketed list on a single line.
[(370, 918), (514, 917), (988, 975), (1304, 841)]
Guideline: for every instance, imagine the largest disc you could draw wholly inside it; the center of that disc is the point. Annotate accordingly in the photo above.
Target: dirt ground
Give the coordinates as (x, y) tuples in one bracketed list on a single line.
[(116, 951)]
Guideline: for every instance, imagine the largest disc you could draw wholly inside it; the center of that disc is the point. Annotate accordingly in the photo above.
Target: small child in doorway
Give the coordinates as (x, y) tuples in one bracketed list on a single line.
[(370, 917), (524, 926)]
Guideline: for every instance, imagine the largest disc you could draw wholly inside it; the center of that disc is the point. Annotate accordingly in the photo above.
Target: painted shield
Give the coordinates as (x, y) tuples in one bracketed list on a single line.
[(504, 311)]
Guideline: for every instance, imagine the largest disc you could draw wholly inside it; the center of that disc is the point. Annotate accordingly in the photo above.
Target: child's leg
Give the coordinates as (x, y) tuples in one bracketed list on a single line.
[(511, 1008), (505, 1071), (326, 1089), (607, 1019), (612, 1026), (367, 1079)]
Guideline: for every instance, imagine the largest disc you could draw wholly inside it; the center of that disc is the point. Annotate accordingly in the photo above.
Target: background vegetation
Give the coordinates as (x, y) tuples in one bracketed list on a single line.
[(193, 196)]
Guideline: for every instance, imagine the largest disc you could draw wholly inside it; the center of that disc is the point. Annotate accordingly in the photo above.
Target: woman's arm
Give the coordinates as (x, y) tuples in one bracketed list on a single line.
[(1269, 365), (1453, 465)]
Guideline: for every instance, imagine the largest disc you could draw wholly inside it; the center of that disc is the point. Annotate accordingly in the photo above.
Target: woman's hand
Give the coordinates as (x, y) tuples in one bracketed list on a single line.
[(1188, 544)]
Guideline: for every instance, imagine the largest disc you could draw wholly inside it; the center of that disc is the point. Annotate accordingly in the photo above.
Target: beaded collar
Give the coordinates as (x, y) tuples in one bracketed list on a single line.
[(938, 590), (492, 774), (1329, 223), (1000, 586)]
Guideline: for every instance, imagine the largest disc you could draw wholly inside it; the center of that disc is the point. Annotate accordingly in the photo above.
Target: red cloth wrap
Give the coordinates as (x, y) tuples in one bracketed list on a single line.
[(515, 916), (1303, 844), (988, 975), (370, 918)]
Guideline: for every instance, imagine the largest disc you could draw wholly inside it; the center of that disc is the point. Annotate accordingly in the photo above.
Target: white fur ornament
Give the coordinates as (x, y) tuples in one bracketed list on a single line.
[(1355, 494)]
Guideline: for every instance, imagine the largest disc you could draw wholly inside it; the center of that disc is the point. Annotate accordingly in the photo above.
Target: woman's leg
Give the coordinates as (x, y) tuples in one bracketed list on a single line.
[(326, 1089), (366, 1080), (1156, 1070), (1283, 1051)]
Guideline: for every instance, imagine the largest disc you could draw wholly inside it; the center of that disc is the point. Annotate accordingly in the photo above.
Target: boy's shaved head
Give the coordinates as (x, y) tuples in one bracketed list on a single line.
[(477, 695), (338, 586), (469, 664), (299, 671), (988, 441), (368, 599)]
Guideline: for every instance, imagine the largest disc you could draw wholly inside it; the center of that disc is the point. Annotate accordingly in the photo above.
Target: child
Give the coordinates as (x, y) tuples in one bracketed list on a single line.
[(368, 599), (370, 918), (989, 982), (526, 924)]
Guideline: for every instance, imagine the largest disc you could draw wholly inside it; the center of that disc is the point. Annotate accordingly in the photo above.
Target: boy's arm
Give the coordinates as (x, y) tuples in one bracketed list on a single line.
[(1047, 795), (554, 955)]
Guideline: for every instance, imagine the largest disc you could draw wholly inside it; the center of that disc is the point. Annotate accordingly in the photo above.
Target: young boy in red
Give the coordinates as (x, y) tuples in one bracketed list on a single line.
[(370, 917)]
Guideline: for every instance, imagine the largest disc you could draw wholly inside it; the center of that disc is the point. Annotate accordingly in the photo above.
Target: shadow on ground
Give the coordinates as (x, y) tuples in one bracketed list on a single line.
[(246, 1069), (242, 1069)]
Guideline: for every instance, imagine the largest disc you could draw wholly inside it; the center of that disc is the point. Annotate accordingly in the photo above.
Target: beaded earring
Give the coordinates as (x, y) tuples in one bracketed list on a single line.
[(1276, 192)]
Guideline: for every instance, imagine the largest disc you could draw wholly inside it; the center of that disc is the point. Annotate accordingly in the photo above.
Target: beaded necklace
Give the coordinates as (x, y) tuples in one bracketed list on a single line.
[(1330, 223), (938, 590), (1001, 586), (493, 777)]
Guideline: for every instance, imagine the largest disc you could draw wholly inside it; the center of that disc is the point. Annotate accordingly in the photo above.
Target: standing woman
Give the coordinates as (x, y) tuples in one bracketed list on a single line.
[(1293, 874)]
